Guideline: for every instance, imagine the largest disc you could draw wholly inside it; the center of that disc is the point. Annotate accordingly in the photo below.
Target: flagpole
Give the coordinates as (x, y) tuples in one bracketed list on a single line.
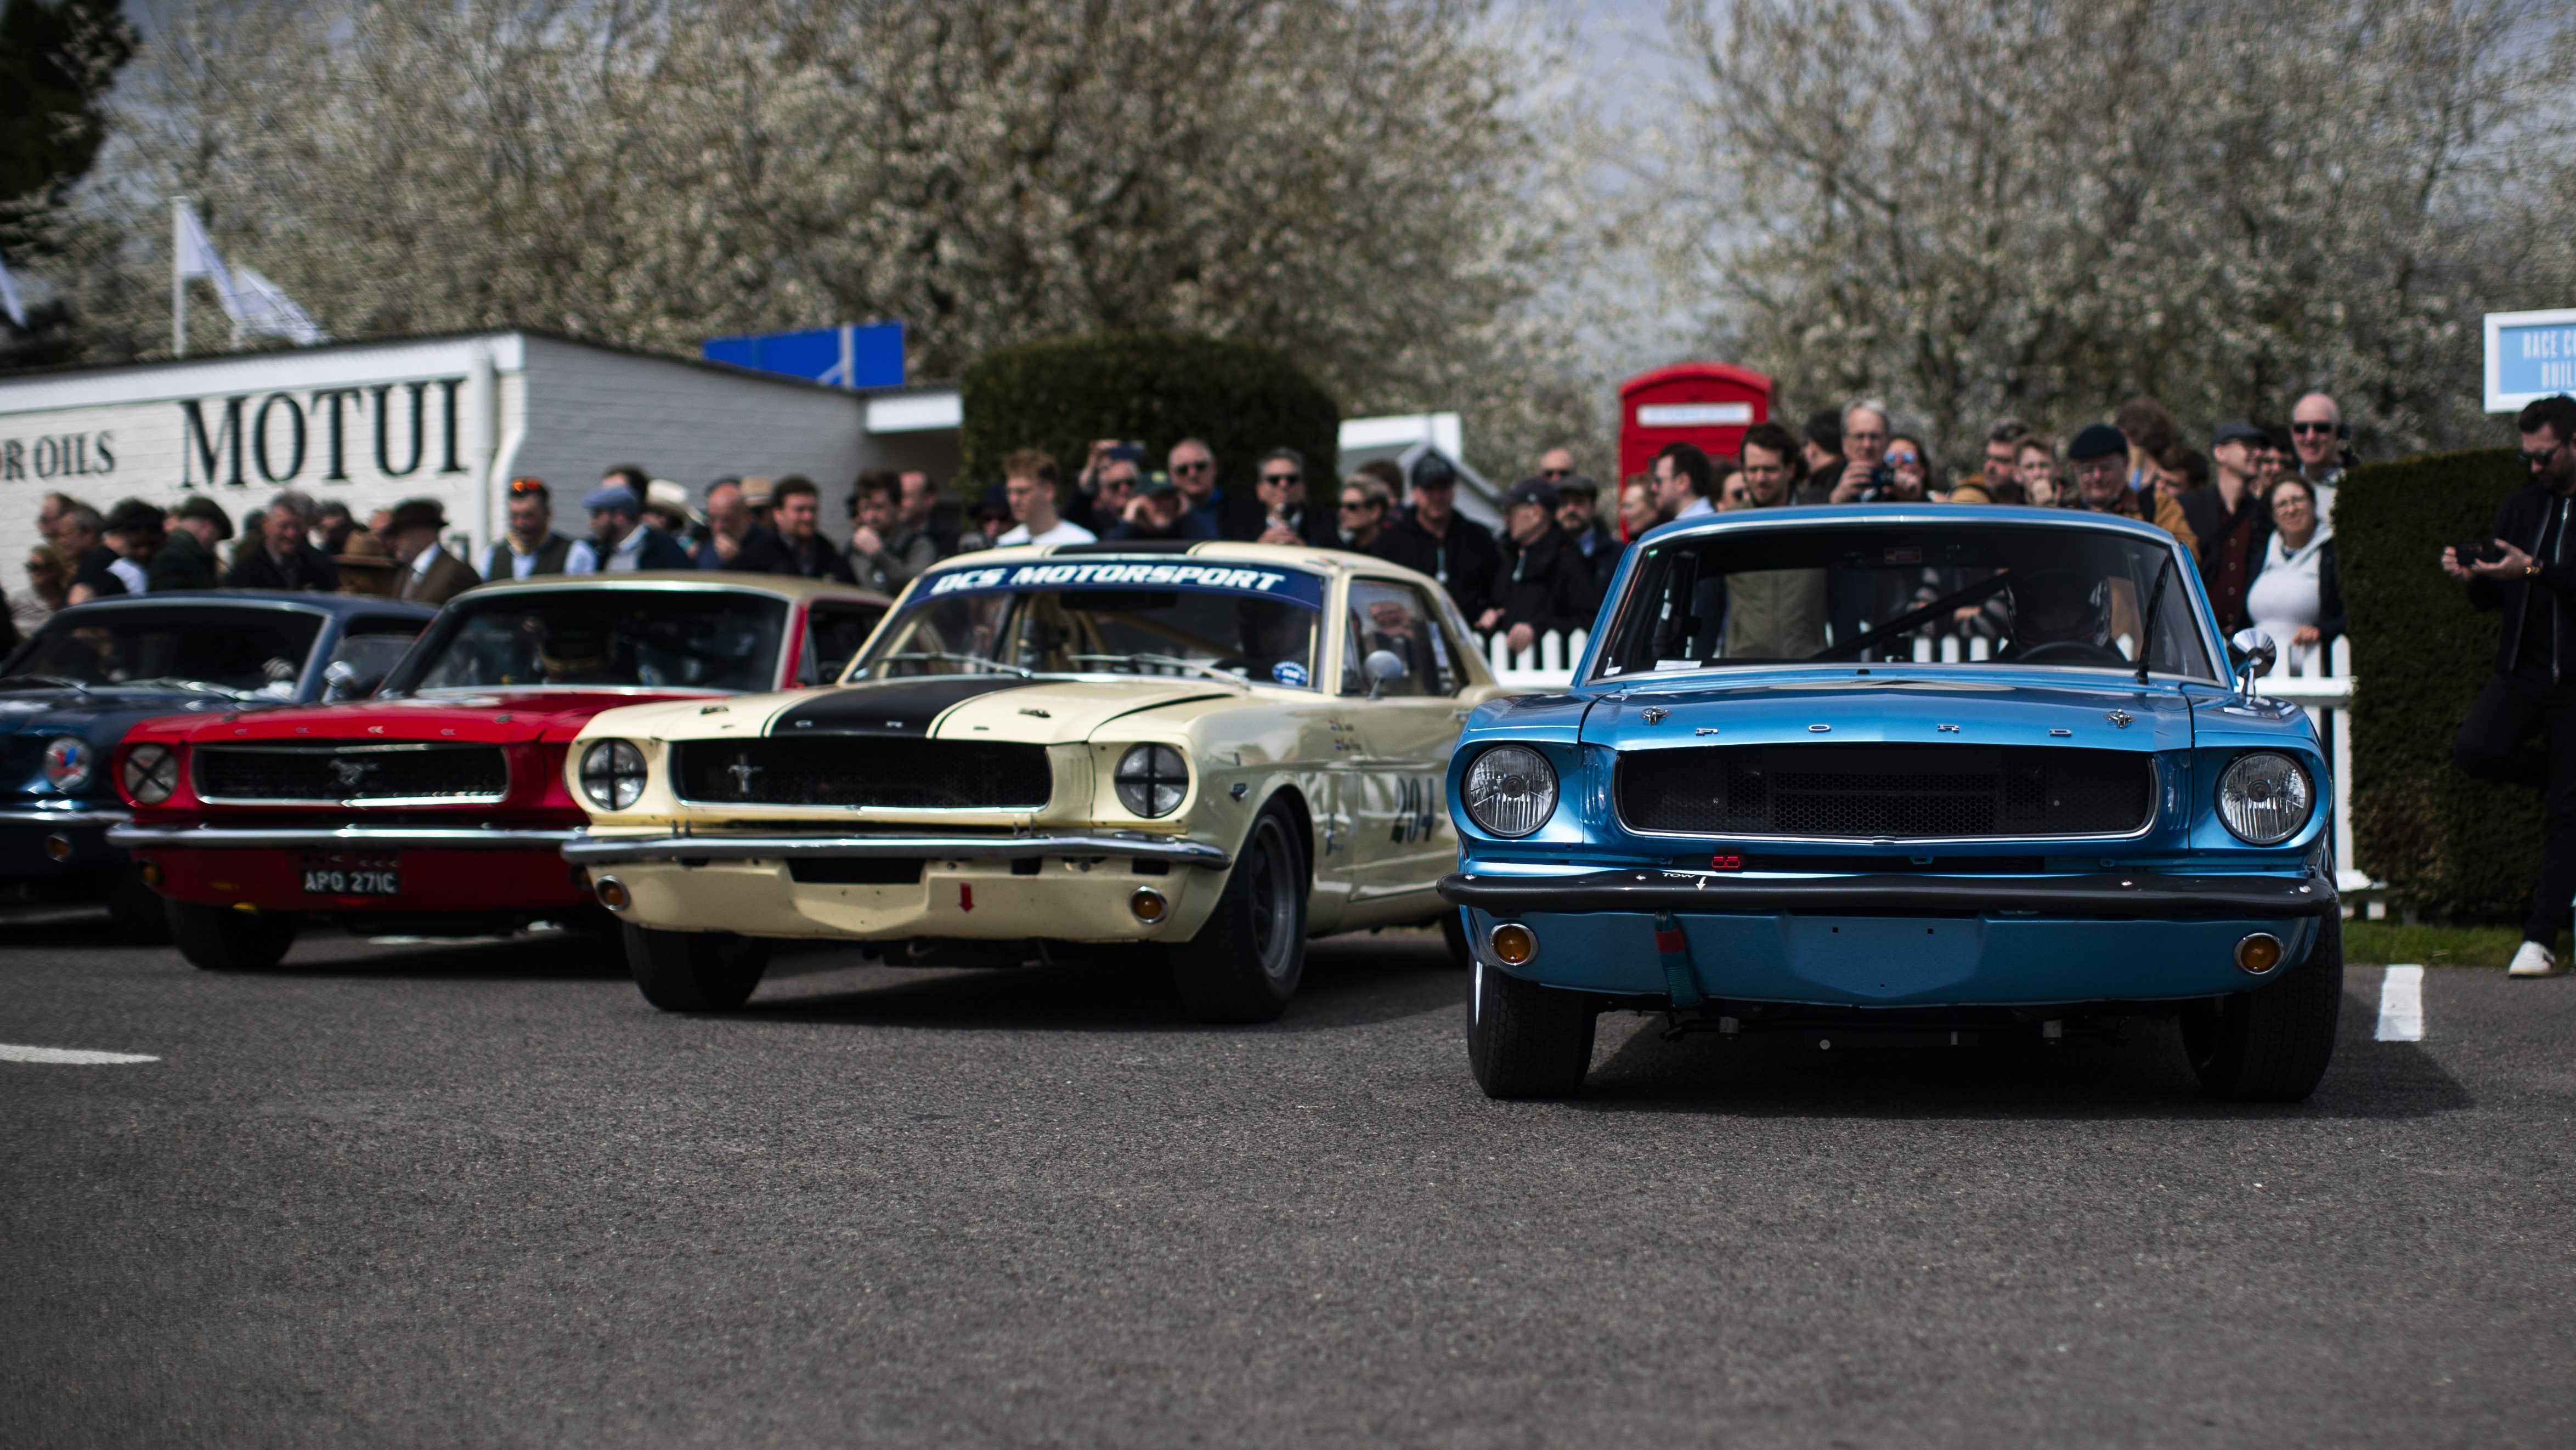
[(179, 275)]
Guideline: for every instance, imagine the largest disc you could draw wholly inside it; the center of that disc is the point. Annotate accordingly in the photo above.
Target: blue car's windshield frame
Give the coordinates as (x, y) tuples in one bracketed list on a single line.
[(1968, 592)]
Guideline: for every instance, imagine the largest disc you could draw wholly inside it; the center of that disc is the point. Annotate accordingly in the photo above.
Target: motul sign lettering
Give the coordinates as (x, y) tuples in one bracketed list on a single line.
[(283, 432)]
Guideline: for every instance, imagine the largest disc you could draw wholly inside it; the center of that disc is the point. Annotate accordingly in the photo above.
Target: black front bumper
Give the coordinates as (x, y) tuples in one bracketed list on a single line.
[(28, 840), (2124, 893)]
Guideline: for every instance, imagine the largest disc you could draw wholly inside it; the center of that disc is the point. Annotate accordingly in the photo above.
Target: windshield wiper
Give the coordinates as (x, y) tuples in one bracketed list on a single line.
[(2147, 631), (1977, 593), (941, 654), (1142, 657)]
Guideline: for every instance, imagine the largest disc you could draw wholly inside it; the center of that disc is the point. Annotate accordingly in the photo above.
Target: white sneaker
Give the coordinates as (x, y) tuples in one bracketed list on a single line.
[(2533, 960)]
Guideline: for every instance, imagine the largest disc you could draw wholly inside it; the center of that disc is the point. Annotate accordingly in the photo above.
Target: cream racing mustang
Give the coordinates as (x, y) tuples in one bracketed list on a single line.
[(1208, 751)]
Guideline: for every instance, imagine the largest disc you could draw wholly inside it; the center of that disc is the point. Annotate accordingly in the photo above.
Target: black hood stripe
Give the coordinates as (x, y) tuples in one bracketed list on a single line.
[(901, 709)]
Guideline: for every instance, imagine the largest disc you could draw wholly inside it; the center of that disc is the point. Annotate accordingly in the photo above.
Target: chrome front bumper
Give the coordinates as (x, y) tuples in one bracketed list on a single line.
[(363, 838), (589, 850)]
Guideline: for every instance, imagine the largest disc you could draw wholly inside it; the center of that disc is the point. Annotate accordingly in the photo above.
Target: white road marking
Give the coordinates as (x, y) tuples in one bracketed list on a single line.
[(2401, 1005), (69, 1056)]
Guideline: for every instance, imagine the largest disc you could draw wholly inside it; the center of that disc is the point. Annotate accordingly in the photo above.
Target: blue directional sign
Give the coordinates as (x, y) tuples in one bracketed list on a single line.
[(2529, 355), (848, 356)]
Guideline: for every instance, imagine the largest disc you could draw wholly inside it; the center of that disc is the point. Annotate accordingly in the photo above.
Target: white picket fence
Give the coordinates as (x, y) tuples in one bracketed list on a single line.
[(2327, 698)]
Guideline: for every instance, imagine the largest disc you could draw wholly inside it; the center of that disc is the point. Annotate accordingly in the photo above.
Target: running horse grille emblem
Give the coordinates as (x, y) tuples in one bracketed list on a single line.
[(1653, 714), (349, 773), (742, 770)]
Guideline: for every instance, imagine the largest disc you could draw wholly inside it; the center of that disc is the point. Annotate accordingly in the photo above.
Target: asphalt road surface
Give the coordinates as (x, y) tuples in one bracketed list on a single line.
[(446, 1195)]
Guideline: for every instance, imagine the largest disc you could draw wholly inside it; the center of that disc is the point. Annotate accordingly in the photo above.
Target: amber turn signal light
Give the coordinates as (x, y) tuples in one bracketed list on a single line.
[(151, 873), (58, 848), (1513, 944), (1149, 905), (612, 893), (2258, 953)]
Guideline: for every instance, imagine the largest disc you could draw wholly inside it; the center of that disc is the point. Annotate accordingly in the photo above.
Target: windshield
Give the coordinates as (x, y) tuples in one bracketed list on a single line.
[(245, 651), (1967, 593), (648, 638), (1118, 617)]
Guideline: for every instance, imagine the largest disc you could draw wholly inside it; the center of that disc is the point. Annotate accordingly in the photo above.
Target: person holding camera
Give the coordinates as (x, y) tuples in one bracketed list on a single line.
[(1866, 478), (1109, 481), (2522, 569)]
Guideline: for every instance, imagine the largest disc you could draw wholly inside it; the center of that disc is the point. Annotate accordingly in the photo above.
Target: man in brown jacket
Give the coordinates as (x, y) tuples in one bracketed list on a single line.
[(425, 571), (2100, 457)]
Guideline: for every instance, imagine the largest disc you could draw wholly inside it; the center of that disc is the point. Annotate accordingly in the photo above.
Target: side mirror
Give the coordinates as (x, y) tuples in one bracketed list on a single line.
[(2252, 652), (1382, 668)]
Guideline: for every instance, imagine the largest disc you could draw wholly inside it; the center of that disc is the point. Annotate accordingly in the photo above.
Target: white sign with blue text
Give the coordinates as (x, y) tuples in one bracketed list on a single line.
[(2529, 355)]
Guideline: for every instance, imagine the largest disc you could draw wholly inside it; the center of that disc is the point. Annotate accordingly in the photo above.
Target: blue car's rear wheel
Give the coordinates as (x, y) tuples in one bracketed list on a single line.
[(2271, 1045), (1525, 1040)]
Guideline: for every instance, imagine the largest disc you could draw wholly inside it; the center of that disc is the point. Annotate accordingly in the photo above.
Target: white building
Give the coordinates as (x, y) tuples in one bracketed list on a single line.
[(450, 418)]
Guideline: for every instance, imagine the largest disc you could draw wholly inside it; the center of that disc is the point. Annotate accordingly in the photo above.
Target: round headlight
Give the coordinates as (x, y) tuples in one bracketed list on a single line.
[(1151, 780), (150, 774), (612, 775), (1511, 790), (2265, 798), (69, 763)]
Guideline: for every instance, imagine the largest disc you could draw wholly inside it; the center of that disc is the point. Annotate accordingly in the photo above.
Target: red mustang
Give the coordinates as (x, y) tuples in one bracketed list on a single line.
[(438, 807)]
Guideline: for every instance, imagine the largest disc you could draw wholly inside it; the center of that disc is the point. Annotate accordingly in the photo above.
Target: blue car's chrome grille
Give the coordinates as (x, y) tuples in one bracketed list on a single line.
[(1885, 792)]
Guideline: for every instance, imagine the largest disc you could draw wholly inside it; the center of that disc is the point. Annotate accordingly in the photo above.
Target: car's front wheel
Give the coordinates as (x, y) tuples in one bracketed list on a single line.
[(220, 939), (1245, 962), (695, 971), (2271, 1045), (1525, 1040)]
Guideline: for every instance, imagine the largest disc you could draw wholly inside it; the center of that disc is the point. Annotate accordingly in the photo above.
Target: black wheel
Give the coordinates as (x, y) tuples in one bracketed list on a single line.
[(1525, 1040), (1244, 964), (2271, 1045), (221, 939), (133, 908), (695, 971), (1453, 931)]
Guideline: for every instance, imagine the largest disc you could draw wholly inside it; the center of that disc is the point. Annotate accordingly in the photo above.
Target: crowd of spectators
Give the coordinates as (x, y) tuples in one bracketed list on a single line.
[(2255, 509)]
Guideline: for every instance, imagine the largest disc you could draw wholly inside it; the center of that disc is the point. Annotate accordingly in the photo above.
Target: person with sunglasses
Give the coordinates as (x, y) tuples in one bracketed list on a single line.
[(2523, 569), (1193, 469), (2316, 435), (532, 546), (1285, 519)]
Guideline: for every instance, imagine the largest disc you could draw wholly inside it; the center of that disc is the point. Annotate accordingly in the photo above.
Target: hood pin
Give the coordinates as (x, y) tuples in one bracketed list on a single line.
[(1653, 714)]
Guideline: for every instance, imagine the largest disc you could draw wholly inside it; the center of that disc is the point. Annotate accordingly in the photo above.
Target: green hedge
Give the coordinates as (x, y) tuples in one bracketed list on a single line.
[(2441, 841), (1241, 398)]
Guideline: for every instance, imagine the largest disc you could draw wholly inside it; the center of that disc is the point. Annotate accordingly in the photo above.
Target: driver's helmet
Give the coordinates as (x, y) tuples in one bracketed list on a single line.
[(572, 648), (2053, 605)]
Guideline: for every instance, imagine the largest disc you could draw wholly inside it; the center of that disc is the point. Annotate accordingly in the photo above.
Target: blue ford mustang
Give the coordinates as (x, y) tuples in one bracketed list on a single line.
[(93, 671), (1897, 774)]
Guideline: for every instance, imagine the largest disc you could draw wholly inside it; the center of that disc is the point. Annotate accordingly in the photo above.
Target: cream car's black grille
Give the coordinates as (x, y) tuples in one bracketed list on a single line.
[(1886, 792), (351, 771), (850, 770)]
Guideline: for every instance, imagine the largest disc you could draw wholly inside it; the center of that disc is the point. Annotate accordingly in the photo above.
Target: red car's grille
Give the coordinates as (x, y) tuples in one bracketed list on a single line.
[(334, 771)]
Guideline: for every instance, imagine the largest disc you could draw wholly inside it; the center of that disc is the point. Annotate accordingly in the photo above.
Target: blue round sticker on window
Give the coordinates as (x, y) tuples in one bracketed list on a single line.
[(1289, 672)]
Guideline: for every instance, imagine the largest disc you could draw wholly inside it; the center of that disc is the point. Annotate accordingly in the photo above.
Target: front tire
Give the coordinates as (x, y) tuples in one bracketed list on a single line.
[(2271, 1045), (219, 939), (695, 971), (1525, 1040), (1245, 963)]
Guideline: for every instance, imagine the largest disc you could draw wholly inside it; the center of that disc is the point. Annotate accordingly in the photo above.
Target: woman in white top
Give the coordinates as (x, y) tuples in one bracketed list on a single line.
[(2295, 597)]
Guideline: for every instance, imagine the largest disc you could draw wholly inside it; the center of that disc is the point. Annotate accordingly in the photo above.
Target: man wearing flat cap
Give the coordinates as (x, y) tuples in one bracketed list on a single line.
[(2231, 521), (619, 542), (1545, 583), (2099, 455), (187, 559), (426, 572)]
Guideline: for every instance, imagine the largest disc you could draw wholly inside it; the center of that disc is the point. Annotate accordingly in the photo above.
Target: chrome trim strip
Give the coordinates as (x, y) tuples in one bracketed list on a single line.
[(63, 818), (588, 849), (448, 838)]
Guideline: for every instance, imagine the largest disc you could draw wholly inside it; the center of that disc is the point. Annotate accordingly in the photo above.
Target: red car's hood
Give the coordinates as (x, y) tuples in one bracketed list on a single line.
[(497, 717)]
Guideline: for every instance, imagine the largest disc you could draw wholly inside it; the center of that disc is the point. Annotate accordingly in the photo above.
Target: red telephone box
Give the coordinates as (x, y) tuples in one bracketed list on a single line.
[(1710, 404)]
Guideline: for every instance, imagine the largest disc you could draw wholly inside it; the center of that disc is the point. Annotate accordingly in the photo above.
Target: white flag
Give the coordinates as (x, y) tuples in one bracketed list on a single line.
[(9, 302), (254, 303)]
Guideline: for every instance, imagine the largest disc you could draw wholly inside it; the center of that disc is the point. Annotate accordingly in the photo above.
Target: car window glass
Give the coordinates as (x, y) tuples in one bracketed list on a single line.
[(247, 650), (833, 633), (1156, 618), (649, 638), (1394, 617)]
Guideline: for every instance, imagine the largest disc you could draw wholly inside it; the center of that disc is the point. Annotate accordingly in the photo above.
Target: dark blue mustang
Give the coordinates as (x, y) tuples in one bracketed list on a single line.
[(69, 694), (1897, 774)]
